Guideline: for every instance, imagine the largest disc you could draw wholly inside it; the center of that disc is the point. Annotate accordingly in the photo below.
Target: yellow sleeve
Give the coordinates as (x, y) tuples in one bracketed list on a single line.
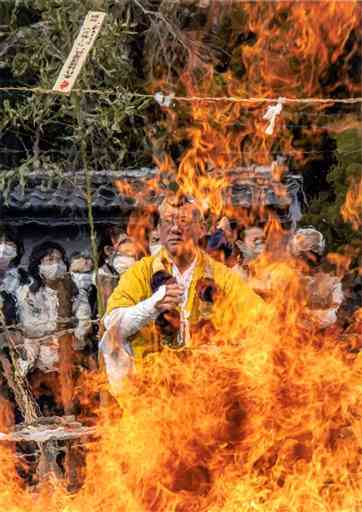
[(232, 285), (133, 287), (242, 295), (239, 306)]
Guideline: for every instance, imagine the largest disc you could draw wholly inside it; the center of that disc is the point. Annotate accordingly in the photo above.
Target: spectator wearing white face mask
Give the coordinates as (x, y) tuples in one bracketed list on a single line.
[(85, 302), (45, 310), (8, 252), (11, 277), (121, 248), (254, 243), (118, 254), (323, 289)]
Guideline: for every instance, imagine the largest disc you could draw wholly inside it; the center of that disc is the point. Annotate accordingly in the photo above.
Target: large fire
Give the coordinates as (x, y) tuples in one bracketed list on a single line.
[(271, 422), (352, 208)]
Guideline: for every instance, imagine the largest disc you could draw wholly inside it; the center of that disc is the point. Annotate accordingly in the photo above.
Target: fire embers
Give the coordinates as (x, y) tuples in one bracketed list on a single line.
[(168, 323)]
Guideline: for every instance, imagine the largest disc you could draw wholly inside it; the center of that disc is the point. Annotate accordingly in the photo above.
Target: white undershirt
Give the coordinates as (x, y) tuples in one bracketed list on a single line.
[(184, 280)]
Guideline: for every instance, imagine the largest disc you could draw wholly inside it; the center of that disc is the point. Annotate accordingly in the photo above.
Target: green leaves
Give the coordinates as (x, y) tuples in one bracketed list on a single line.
[(42, 131), (324, 211)]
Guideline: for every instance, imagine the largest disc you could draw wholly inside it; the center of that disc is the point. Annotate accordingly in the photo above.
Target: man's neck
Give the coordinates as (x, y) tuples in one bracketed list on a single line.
[(184, 261)]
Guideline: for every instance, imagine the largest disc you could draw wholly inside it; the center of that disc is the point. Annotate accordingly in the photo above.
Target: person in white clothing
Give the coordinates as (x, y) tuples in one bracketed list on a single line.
[(45, 314), (323, 289)]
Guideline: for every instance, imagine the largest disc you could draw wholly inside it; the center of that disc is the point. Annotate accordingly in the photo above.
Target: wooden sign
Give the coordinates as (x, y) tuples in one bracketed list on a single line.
[(81, 47)]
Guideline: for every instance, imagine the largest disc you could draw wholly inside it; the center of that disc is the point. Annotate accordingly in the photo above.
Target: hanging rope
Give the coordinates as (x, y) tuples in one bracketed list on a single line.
[(163, 98)]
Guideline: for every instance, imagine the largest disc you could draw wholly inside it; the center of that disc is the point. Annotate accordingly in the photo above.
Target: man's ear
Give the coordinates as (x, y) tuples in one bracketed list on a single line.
[(108, 250)]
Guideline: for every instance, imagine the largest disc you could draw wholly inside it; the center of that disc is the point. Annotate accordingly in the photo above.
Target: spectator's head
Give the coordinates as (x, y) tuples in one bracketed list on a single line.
[(119, 252), (218, 246), (230, 228), (11, 248), (254, 243), (47, 263), (307, 244), (81, 269), (81, 262), (181, 225)]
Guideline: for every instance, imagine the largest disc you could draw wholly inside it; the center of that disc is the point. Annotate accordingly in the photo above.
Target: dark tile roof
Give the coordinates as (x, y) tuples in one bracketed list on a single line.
[(61, 199), (256, 186)]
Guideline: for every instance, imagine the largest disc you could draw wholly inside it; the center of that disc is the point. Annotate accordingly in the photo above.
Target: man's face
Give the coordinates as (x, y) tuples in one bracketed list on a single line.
[(255, 240), (180, 228)]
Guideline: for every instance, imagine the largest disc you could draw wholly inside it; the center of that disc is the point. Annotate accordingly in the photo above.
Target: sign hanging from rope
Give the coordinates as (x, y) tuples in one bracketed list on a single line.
[(81, 47)]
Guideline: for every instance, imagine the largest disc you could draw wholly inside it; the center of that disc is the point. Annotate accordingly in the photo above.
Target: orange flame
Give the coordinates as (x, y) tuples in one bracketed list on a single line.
[(270, 422), (291, 51), (352, 208)]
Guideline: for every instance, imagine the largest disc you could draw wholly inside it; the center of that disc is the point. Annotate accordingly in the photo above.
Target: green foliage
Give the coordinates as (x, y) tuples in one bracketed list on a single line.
[(324, 210), (42, 131), (141, 42)]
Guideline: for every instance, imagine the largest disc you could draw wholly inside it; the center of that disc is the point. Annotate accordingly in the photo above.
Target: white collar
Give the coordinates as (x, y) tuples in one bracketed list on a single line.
[(186, 274), (184, 279)]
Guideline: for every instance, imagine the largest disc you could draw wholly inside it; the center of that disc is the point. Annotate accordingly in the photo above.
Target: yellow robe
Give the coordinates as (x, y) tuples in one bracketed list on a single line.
[(236, 306)]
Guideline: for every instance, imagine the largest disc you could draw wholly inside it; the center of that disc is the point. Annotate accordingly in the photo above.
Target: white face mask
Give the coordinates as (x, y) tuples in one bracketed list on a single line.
[(7, 253), (155, 248), (259, 246), (83, 280), (52, 271), (251, 251), (122, 263)]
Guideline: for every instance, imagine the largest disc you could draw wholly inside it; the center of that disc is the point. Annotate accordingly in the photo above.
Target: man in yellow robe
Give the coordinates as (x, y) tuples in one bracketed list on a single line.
[(201, 299)]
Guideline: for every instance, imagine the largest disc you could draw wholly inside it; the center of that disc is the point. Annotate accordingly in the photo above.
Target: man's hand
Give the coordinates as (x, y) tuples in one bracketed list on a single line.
[(172, 298)]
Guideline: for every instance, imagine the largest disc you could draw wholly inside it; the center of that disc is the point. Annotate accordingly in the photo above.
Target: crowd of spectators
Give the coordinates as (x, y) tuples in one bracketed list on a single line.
[(51, 309)]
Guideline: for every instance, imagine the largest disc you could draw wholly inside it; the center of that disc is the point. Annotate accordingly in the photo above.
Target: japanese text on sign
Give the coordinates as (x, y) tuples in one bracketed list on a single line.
[(81, 47)]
